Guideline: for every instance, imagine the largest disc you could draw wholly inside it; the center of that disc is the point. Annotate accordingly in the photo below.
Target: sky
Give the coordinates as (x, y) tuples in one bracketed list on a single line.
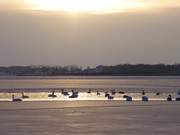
[(140, 31)]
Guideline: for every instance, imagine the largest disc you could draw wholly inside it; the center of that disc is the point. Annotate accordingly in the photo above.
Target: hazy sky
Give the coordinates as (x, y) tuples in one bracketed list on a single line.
[(43, 37)]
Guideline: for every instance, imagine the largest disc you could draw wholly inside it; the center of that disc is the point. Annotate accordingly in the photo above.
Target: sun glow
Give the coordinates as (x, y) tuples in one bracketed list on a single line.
[(93, 6)]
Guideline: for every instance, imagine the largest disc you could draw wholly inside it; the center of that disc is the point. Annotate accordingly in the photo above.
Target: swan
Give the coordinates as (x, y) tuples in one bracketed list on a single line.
[(98, 93), (107, 94), (143, 92), (110, 97), (65, 93), (16, 99), (145, 98), (121, 92), (89, 92), (52, 95), (74, 94), (24, 96), (169, 98), (129, 98), (178, 93), (178, 98), (125, 96), (113, 92)]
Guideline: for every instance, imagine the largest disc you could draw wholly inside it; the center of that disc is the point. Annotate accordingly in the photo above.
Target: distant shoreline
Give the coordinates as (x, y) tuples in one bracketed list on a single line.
[(100, 70), (51, 76)]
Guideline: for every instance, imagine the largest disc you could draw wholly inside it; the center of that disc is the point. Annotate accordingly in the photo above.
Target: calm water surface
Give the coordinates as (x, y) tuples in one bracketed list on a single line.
[(90, 82)]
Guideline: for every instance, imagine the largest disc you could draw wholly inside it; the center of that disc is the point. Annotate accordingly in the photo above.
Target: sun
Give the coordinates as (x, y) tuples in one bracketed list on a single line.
[(93, 6)]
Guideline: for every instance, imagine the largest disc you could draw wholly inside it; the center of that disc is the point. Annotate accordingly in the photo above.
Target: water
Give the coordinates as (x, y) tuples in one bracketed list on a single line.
[(90, 117), (122, 120), (84, 96), (91, 82), (37, 87)]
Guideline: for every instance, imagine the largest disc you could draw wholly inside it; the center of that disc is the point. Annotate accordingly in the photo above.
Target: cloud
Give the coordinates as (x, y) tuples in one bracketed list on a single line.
[(13, 4), (59, 39), (90, 40), (27, 4), (162, 3)]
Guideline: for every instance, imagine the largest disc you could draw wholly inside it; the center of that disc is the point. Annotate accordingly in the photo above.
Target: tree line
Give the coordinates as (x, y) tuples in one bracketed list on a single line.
[(116, 70)]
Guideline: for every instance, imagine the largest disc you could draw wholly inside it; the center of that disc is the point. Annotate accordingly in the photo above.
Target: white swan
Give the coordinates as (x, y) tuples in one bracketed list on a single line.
[(16, 99)]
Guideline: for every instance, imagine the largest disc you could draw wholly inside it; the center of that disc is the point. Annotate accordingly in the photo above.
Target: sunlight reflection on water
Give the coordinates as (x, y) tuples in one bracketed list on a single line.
[(84, 96)]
